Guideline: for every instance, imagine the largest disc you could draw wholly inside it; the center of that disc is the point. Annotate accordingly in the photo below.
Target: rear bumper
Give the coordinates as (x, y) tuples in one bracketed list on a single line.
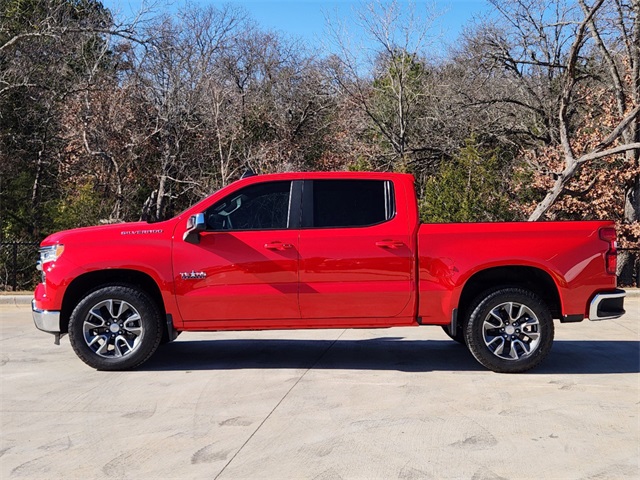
[(607, 305), (46, 320)]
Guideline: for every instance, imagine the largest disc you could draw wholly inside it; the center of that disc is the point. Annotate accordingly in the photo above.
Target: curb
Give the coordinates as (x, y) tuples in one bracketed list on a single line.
[(18, 300)]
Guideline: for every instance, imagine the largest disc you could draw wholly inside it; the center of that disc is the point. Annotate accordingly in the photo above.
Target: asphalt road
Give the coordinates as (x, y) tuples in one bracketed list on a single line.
[(396, 403)]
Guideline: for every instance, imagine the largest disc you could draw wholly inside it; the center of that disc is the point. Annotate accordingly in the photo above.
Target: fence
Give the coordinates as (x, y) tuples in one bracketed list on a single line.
[(18, 262), (18, 266)]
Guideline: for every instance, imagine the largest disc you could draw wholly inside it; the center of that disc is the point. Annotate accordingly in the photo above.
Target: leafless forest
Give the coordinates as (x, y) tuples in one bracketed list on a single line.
[(532, 114)]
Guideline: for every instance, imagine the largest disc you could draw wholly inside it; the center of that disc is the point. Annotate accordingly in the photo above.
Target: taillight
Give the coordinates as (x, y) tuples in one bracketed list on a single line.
[(611, 257)]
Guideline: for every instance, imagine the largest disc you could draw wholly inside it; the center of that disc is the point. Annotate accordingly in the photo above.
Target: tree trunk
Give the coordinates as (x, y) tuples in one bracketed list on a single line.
[(629, 261), (629, 268), (35, 191), (159, 207), (556, 190), (632, 193)]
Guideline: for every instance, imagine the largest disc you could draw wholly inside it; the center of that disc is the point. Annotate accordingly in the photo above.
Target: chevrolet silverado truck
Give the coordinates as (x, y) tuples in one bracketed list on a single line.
[(323, 250)]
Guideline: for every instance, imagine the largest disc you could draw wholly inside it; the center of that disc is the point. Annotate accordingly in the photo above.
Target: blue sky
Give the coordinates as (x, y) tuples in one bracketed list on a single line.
[(306, 18)]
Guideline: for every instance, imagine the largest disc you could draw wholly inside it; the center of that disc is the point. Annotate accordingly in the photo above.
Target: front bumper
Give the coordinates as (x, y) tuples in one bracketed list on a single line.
[(46, 320), (607, 305)]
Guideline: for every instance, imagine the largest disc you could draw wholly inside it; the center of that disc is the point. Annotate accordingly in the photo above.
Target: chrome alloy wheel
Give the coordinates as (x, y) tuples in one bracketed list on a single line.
[(511, 331), (112, 328)]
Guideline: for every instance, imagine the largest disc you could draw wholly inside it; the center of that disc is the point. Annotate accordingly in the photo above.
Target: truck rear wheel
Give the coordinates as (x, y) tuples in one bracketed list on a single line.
[(509, 330), (115, 328)]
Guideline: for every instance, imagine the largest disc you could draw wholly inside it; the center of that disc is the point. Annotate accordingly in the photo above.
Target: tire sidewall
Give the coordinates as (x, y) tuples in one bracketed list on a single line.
[(474, 330), (149, 320)]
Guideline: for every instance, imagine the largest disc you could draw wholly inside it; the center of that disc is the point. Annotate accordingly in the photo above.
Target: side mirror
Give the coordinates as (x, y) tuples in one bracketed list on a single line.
[(195, 225)]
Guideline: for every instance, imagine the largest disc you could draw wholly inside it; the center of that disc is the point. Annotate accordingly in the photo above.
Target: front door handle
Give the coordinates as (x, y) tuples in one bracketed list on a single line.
[(389, 244), (277, 246)]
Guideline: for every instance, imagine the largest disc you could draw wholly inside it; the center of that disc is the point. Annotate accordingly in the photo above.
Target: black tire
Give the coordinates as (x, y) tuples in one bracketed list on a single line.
[(115, 328), (458, 337), (509, 330)]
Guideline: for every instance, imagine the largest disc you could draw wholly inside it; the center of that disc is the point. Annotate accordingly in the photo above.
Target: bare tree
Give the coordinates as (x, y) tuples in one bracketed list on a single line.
[(385, 79), (621, 65), (548, 58), (625, 132), (282, 101), (50, 51), (172, 76)]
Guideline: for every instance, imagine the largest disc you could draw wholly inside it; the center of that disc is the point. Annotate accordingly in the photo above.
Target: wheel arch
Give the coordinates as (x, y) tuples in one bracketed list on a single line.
[(86, 283), (530, 278)]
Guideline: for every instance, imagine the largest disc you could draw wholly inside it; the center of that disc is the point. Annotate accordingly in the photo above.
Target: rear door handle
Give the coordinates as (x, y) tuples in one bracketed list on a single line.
[(277, 246), (389, 244)]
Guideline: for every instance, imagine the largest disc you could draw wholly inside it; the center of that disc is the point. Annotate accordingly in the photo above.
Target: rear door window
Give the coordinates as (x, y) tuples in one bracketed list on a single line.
[(347, 203)]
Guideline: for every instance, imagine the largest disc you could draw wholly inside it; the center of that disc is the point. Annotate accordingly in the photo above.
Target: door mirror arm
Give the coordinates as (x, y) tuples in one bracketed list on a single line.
[(195, 225)]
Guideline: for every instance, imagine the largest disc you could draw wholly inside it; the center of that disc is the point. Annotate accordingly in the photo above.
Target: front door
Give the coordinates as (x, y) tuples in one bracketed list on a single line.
[(246, 264)]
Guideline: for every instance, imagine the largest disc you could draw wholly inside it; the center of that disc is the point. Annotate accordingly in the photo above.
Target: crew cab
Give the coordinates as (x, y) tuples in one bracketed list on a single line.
[(323, 250)]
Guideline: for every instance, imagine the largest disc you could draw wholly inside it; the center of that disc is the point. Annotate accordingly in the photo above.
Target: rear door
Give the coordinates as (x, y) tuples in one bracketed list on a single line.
[(355, 256)]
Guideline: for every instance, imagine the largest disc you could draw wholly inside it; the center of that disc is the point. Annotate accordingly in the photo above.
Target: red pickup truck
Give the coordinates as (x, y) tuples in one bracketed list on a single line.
[(323, 250)]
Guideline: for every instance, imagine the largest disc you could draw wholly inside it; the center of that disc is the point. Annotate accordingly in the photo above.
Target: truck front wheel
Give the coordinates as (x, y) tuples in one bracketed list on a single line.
[(115, 328), (509, 330)]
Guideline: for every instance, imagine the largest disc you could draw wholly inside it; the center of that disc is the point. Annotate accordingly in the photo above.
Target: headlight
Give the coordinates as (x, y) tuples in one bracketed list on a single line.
[(50, 254)]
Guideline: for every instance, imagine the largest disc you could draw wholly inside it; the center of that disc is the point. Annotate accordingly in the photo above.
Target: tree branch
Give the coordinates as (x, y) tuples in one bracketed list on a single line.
[(21, 36), (604, 153), (626, 121)]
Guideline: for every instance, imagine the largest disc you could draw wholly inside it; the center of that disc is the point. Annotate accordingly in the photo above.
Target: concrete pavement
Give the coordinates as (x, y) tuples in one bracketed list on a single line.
[(321, 404)]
